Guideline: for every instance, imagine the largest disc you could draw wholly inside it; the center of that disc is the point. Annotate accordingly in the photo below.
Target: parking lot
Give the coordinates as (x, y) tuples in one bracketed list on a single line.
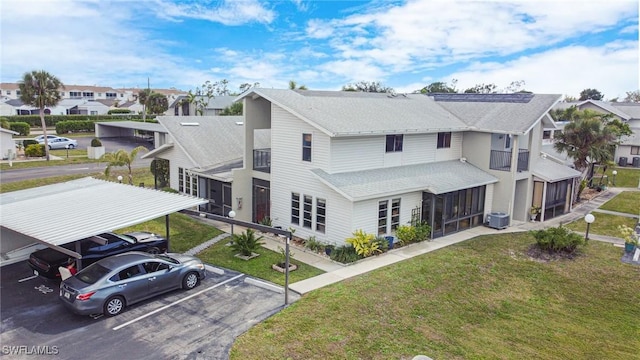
[(197, 324)]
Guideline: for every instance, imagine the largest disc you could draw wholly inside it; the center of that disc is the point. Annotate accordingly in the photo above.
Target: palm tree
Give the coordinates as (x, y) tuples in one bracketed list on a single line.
[(41, 89), (122, 158), (143, 96)]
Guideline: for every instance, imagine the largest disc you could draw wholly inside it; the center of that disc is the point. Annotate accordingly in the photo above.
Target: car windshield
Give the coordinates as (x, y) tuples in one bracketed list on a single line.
[(167, 258), (92, 273)]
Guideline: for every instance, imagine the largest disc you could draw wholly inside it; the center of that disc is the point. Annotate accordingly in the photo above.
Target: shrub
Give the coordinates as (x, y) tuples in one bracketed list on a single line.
[(406, 234), (35, 150), (119, 111), (628, 234), (4, 123), (266, 221), (558, 239), (423, 231), (95, 142), (383, 243), (160, 171), (314, 245), (345, 254), (246, 243), (21, 128), (52, 120), (364, 243)]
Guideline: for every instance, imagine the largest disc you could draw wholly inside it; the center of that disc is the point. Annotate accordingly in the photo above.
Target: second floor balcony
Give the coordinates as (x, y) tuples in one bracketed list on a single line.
[(262, 160), (501, 160)]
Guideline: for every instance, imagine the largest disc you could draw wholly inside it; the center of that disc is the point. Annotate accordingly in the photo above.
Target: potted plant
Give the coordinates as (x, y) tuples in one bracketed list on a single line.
[(534, 211), (282, 263), (630, 238), (96, 150), (328, 248)]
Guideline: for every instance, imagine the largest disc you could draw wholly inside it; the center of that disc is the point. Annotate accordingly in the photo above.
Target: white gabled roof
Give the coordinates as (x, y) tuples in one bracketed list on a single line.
[(437, 178), (62, 213)]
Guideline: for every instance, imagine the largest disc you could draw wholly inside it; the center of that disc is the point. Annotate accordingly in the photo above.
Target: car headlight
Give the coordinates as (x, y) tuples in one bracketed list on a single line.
[(200, 266)]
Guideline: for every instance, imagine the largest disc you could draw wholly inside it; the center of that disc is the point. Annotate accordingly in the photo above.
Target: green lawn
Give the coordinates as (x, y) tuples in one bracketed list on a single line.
[(481, 299), (42, 163), (184, 232), (260, 267), (626, 177), (626, 202), (605, 224)]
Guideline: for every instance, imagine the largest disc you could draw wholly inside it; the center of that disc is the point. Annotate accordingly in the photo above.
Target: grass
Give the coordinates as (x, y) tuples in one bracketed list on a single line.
[(626, 202), (605, 224), (482, 299), (45, 163), (626, 177), (184, 232), (72, 152), (221, 255)]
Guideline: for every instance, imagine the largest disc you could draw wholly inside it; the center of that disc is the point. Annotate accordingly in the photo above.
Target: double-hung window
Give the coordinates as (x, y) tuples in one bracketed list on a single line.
[(383, 214), (306, 147), (394, 143), (295, 208), (444, 140), (306, 211), (321, 215)]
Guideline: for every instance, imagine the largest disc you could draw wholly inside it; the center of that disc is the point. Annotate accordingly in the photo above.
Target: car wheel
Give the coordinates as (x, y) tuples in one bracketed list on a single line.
[(190, 281), (71, 146), (114, 306), (153, 250)]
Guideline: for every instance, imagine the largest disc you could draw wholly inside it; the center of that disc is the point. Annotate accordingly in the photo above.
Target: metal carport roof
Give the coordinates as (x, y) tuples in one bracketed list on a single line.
[(62, 213)]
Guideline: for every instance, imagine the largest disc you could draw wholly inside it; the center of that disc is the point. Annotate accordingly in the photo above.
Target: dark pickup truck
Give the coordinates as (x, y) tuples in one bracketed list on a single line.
[(46, 262)]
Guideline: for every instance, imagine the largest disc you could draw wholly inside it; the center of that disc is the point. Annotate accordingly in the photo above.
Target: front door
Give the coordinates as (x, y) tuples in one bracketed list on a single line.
[(261, 200)]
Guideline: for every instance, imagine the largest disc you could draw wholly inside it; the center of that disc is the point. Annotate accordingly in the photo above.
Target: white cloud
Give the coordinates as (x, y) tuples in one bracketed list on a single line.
[(229, 12), (612, 69)]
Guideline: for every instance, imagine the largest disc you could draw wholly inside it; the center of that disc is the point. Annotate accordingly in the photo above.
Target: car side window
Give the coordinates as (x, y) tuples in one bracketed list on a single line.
[(129, 272), (153, 266)]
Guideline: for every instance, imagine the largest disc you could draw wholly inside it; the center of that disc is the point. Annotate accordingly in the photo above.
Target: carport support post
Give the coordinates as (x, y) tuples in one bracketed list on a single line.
[(166, 226), (286, 271), (78, 261)]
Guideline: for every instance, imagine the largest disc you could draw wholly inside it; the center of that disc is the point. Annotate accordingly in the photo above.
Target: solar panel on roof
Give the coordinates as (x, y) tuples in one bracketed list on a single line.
[(509, 98)]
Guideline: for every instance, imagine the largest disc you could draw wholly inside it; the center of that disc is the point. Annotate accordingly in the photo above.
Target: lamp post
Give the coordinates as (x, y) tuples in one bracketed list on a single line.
[(232, 214), (614, 172), (589, 218), (120, 179)]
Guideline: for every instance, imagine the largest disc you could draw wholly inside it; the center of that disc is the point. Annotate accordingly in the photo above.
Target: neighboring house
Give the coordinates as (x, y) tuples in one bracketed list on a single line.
[(6, 109), (215, 105), (628, 151), (342, 161), (202, 152), (7, 144)]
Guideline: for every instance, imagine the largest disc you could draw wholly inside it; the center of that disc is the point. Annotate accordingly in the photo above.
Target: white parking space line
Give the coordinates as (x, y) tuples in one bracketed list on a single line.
[(176, 302), (28, 278)]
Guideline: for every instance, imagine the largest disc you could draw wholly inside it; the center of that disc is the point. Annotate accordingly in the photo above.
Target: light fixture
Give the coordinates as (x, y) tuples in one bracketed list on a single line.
[(232, 214), (614, 172), (120, 179), (589, 219)]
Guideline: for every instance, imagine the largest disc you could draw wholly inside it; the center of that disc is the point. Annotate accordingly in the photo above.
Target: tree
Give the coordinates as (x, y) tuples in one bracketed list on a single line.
[(365, 86), (41, 89), (439, 87), (590, 94), (516, 87), (122, 158), (482, 89), (587, 140), (143, 95), (157, 103), (246, 86), (294, 86), (632, 96), (233, 109)]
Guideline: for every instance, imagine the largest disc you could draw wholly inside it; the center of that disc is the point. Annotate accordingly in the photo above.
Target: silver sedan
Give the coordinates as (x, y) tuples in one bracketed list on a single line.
[(62, 143), (111, 284)]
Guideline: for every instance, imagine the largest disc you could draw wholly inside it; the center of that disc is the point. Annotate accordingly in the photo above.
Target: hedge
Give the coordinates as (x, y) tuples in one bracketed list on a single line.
[(119, 111), (64, 127), (52, 120), (22, 128)]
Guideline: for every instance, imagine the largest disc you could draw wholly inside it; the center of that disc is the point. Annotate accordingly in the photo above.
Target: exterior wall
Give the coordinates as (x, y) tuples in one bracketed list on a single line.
[(7, 144), (476, 149), (365, 213), (177, 158)]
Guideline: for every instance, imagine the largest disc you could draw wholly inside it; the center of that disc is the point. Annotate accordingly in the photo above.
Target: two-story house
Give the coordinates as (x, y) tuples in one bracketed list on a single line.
[(628, 151), (201, 152), (342, 161)]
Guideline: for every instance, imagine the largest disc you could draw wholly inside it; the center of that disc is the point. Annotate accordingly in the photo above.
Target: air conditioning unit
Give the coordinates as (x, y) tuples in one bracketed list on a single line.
[(498, 220)]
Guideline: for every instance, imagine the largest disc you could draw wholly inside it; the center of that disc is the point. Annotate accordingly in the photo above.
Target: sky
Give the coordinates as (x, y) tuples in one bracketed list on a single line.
[(558, 47)]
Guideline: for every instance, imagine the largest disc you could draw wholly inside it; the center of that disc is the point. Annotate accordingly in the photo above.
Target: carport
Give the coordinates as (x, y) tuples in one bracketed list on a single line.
[(58, 214), (156, 133)]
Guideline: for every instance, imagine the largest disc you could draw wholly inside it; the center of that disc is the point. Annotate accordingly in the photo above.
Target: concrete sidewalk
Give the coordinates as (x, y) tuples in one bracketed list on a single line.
[(336, 272)]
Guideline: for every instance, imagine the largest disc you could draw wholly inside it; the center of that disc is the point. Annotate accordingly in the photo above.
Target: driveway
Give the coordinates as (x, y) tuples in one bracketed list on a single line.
[(197, 324)]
